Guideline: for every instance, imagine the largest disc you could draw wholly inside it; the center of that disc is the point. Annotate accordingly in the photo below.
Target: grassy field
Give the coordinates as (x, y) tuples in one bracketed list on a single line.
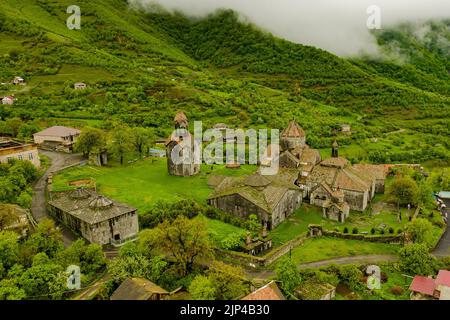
[(316, 249), (307, 214), (143, 183), (219, 230)]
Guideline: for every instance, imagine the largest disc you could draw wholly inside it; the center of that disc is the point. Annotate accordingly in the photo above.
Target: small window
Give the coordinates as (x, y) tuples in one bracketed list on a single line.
[(20, 157), (30, 156)]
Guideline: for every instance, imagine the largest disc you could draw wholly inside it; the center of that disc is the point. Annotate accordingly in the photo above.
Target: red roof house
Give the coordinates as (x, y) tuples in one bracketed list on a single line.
[(438, 288), (268, 292)]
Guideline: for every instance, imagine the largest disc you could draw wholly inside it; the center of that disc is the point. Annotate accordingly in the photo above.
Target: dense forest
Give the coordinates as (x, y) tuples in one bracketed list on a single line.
[(142, 67)]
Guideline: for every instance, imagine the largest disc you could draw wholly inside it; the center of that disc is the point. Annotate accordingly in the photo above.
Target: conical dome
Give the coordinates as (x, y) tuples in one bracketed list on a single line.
[(181, 120), (256, 180), (100, 202), (293, 130), (80, 193)]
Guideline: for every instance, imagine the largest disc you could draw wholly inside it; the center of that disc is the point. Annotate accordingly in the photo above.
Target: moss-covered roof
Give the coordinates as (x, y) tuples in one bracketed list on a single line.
[(263, 191), (89, 206), (137, 289)]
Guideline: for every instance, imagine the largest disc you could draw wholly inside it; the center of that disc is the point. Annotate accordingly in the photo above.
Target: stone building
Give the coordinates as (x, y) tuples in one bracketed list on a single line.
[(295, 153), (139, 289), (331, 200), (358, 186), (11, 149), (97, 218), (271, 198), (180, 147), (58, 138), (14, 218)]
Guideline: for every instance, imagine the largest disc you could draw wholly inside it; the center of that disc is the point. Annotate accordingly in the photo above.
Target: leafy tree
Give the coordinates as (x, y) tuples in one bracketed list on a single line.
[(186, 240), (288, 275), (42, 280), (253, 223), (89, 140), (9, 248), (416, 260), (10, 291), (404, 190), (202, 288), (440, 180), (121, 142), (46, 238), (228, 280), (420, 230), (141, 139), (351, 275), (136, 266)]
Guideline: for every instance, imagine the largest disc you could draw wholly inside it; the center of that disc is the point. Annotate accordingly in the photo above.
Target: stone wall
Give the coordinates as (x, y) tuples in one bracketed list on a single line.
[(394, 239), (356, 200)]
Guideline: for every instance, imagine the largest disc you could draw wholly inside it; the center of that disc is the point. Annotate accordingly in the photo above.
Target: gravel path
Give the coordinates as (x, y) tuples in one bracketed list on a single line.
[(38, 205)]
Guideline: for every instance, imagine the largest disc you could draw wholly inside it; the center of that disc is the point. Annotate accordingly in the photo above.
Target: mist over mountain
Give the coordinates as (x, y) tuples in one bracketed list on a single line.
[(336, 26)]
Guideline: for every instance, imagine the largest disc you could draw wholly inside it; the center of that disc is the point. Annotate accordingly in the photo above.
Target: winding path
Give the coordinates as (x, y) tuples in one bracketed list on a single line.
[(38, 205)]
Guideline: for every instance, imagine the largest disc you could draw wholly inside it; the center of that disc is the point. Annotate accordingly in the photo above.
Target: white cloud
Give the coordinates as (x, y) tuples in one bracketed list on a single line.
[(338, 26)]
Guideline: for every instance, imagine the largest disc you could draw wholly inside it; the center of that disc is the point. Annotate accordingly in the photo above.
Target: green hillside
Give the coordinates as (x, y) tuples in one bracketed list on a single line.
[(142, 67)]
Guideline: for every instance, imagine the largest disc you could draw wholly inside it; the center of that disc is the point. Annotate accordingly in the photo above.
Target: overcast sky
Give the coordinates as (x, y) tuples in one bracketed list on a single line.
[(338, 26)]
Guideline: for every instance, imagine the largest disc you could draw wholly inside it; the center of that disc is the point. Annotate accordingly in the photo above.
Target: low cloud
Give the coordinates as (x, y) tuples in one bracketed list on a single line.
[(338, 26)]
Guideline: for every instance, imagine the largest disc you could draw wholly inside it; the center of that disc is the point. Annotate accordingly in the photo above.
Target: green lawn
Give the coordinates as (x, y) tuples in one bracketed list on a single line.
[(219, 230), (316, 249), (143, 183), (298, 223)]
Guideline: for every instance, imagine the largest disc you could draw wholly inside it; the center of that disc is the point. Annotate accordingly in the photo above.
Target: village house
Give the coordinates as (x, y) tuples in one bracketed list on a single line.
[(9, 100), (79, 86), (271, 198), (11, 149), (423, 288), (97, 218), (18, 81), (14, 218), (57, 138), (312, 290), (268, 292), (181, 162), (346, 128), (139, 289)]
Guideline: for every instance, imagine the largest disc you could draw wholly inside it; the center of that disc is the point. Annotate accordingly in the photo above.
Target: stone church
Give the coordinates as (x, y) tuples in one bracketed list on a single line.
[(332, 184), (181, 160)]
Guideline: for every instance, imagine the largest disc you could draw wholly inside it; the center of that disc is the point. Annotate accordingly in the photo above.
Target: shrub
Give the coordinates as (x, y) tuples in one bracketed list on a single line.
[(400, 230), (345, 230), (397, 290), (391, 230), (381, 231), (372, 231), (355, 230)]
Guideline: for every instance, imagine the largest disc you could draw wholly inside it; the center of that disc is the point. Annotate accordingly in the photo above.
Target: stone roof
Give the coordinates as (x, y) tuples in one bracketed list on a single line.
[(336, 173), (377, 171), (337, 162), (268, 292), (58, 131), (137, 289), (89, 206), (311, 156), (293, 130), (263, 191), (181, 119)]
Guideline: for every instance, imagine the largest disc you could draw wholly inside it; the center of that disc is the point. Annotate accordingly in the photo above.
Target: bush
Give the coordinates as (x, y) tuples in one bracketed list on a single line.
[(381, 231), (372, 231), (391, 230), (397, 290), (400, 230), (345, 230), (355, 230)]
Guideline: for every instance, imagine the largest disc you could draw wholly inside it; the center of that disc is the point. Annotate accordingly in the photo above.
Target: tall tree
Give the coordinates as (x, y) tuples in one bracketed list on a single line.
[(121, 142), (141, 138), (420, 231), (89, 140), (404, 190), (416, 260), (228, 280), (186, 240), (288, 275)]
